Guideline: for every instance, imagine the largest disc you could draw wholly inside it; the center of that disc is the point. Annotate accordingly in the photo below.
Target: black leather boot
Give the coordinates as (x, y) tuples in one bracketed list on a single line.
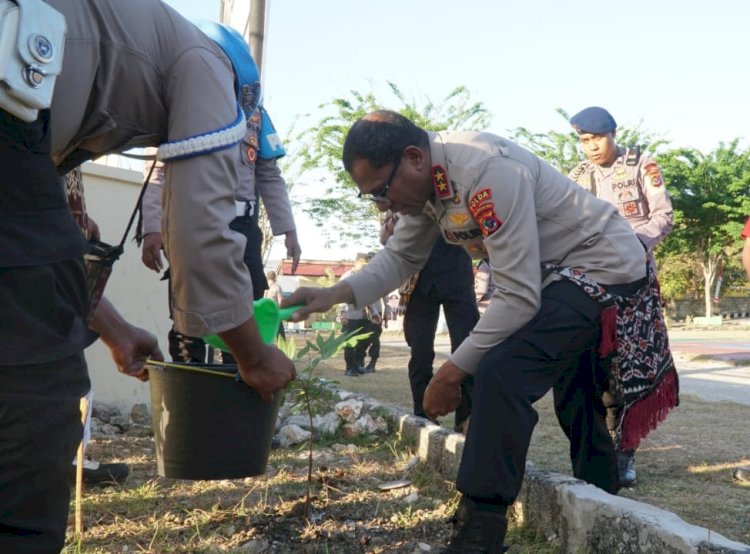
[(477, 529)]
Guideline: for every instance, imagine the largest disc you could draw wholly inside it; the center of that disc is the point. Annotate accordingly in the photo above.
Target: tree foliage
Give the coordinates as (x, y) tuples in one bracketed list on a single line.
[(711, 203), (331, 196)]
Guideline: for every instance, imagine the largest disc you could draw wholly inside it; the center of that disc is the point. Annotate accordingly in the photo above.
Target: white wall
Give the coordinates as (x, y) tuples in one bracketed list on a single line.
[(111, 194)]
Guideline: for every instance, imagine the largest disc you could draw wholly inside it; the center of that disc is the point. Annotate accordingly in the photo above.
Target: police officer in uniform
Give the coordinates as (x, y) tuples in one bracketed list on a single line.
[(132, 74), (628, 179), (260, 176), (633, 183), (554, 251), (139, 74)]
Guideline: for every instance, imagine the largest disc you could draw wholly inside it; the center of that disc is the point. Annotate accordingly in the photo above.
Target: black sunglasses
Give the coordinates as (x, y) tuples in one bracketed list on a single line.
[(380, 196)]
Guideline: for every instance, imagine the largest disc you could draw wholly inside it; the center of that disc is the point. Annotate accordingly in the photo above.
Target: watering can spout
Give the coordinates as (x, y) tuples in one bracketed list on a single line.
[(268, 316)]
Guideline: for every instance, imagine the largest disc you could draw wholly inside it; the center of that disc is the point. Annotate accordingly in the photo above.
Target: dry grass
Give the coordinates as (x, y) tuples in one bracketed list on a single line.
[(265, 514), (684, 467)]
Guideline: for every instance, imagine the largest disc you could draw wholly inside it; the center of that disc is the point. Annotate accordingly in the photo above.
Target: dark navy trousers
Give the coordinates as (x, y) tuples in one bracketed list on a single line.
[(555, 350)]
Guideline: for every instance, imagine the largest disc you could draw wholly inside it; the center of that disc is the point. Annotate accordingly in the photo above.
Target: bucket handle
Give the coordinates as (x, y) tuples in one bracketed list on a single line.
[(159, 364)]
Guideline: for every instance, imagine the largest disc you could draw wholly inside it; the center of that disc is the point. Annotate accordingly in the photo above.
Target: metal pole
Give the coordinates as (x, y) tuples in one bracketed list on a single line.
[(256, 31)]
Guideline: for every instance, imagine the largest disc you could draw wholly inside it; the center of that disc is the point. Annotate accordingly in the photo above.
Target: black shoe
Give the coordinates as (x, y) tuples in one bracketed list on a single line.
[(352, 373), (100, 475), (370, 368), (475, 531), (275, 443)]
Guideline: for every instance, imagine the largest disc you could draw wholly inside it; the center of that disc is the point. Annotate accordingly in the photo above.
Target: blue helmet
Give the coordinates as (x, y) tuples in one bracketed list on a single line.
[(246, 74)]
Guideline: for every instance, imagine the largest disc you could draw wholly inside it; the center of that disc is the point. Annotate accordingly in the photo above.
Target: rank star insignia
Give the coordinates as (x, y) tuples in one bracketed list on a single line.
[(443, 188)]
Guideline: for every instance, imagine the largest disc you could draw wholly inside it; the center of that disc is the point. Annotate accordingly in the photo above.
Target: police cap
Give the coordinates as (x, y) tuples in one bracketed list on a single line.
[(594, 120)]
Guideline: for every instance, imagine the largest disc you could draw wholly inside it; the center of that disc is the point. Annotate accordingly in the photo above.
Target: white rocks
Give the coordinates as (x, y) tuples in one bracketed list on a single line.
[(292, 434), (327, 424), (349, 410), (300, 420)]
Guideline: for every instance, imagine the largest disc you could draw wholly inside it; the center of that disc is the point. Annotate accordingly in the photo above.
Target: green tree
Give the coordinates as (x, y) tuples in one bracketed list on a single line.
[(332, 201), (562, 150), (711, 203)]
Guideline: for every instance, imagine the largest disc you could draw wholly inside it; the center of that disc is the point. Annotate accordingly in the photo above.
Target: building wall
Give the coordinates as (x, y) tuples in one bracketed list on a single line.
[(111, 194), (680, 309)]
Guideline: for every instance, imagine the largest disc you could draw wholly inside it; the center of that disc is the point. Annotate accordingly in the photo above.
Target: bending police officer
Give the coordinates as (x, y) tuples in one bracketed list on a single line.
[(550, 246)]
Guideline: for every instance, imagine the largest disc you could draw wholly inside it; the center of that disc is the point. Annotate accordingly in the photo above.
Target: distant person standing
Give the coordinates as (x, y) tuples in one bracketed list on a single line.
[(275, 293), (633, 183), (376, 323), (353, 319), (445, 280)]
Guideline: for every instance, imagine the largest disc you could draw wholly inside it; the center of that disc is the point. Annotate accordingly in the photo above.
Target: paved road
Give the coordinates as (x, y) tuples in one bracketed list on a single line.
[(716, 378), (722, 375)]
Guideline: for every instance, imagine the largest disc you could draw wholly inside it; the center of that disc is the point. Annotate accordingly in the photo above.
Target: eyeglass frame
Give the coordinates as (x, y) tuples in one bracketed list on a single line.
[(380, 196)]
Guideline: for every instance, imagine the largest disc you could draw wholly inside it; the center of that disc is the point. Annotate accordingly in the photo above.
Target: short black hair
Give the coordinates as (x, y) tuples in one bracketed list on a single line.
[(380, 137)]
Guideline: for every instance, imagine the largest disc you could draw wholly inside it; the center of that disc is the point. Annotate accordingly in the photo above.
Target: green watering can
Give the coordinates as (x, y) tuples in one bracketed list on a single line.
[(267, 316)]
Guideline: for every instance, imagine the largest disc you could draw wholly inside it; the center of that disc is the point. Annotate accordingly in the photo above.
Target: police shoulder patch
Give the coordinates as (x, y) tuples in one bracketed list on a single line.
[(653, 173), (479, 200), (488, 221)]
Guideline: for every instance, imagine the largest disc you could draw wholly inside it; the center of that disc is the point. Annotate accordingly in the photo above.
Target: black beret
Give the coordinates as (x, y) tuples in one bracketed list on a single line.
[(593, 120)]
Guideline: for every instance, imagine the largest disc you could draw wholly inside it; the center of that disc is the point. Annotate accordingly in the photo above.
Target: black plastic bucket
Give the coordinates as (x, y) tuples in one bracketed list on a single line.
[(207, 423)]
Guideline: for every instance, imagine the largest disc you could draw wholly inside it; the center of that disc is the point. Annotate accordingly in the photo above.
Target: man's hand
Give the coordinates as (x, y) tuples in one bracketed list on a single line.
[(444, 391), (263, 367), (314, 299), (293, 249), (272, 371), (129, 345), (131, 349), (151, 253)]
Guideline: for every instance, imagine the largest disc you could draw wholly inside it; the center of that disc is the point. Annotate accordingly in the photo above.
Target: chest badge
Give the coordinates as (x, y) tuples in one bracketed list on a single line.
[(443, 189), (458, 218)]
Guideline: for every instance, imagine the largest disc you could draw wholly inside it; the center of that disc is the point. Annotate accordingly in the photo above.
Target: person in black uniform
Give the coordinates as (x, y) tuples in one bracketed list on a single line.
[(445, 280), (43, 332)]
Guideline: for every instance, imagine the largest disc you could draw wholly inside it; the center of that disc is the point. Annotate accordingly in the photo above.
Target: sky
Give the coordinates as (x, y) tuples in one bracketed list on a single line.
[(677, 67)]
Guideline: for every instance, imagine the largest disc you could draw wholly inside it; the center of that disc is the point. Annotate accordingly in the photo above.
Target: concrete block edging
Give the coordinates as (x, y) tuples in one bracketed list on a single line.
[(575, 516)]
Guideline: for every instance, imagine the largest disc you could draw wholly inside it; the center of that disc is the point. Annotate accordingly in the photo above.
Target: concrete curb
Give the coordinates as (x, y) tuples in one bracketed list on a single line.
[(575, 516)]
